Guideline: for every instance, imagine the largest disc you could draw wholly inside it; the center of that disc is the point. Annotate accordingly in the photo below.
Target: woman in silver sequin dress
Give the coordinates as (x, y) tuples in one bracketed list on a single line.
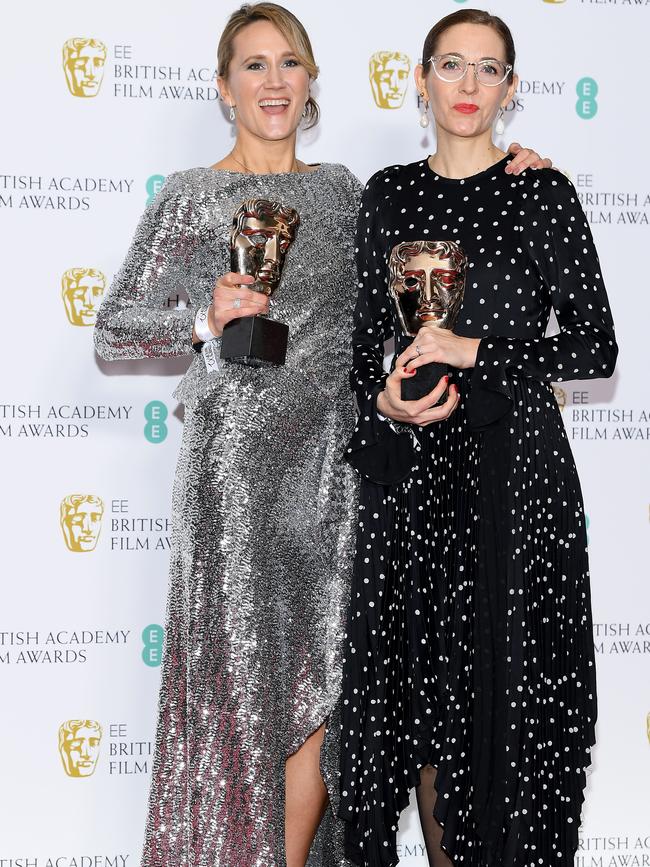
[(263, 506)]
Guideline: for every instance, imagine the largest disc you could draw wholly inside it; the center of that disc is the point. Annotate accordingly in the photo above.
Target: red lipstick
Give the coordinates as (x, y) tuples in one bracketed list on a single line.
[(466, 107)]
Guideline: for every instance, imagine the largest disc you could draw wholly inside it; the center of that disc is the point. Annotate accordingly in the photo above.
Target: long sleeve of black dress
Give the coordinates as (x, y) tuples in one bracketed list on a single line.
[(555, 234)]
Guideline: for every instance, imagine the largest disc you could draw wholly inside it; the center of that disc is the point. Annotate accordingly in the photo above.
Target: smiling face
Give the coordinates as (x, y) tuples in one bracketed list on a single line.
[(427, 281), (466, 108), (266, 83)]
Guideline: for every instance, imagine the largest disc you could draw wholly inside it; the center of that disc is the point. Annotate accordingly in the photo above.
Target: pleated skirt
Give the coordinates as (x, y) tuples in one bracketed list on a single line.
[(470, 644)]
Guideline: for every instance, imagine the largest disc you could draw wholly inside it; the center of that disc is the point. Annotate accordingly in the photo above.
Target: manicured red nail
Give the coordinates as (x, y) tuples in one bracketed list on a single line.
[(446, 378)]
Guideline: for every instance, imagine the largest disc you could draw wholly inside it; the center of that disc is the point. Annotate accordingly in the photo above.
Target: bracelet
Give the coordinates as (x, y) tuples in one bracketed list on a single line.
[(201, 327)]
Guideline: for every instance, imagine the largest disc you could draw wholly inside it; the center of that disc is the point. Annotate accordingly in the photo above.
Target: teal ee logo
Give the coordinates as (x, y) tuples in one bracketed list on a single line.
[(155, 413), (587, 522), (154, 186), (152, 639), (586, 106)]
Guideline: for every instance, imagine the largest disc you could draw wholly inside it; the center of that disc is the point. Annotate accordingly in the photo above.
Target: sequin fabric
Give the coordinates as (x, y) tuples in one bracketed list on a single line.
[(263, 514)]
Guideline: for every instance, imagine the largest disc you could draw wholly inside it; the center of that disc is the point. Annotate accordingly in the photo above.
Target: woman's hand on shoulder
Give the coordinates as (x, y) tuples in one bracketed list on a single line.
[(225, 307), (525, 158)]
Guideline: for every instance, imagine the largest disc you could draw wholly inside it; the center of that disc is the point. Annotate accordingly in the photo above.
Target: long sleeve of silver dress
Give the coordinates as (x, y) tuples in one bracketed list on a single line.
[(264, 512)]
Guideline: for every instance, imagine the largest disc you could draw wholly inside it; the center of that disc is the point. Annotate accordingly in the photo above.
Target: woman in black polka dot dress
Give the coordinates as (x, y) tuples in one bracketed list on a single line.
[(470, 666)]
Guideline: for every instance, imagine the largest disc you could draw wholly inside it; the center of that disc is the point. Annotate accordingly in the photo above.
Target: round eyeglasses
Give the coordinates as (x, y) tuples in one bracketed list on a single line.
[(452, 67)]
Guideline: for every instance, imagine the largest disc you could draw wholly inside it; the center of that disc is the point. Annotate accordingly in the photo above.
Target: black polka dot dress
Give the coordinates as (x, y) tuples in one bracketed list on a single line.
[(469, 634)]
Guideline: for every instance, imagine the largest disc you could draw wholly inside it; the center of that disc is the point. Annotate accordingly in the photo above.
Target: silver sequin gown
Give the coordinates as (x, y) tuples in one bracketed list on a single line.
[(263, 512)]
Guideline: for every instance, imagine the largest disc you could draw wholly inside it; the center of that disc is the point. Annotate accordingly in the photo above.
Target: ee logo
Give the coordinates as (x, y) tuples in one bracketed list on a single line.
[(154, 186), (155, 413), (586, 106), (152, 638)]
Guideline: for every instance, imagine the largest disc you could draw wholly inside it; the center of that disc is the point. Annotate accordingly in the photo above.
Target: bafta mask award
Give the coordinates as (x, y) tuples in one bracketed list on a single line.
[(426, 282), (261, 234)]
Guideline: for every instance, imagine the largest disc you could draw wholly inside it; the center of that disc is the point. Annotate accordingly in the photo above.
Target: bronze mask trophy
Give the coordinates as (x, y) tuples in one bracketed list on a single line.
[(427, 283), (261, 234)]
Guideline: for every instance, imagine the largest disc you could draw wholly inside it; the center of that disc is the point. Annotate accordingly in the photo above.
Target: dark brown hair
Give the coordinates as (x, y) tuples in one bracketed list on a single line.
[(288, 25), (468, 16)]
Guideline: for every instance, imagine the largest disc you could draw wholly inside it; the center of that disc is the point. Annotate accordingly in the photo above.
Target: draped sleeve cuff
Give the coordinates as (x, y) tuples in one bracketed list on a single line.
[(490, 397), (379, 450)]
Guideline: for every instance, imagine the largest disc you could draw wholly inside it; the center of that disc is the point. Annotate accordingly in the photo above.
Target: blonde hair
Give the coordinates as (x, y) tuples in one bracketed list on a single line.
[(292, 30)]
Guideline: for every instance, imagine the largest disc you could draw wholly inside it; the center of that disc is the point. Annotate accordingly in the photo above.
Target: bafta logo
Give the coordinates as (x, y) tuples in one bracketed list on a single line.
[(560, 396), (262, 232), (389, 76), (82, 290), (427, 285), (81, 521), (79, 741), (83, 64)]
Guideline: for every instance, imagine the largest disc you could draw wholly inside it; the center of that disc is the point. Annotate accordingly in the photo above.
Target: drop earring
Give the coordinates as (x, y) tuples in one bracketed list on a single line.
[(499, 126), (424, 117), (232, 112)]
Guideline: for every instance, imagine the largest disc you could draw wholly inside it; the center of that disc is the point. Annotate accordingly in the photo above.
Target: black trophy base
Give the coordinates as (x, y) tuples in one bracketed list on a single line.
[(255, 341), (424, 381)]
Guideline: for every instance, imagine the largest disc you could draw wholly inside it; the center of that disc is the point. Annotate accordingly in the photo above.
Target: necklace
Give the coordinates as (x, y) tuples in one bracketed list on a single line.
[(294, 168)]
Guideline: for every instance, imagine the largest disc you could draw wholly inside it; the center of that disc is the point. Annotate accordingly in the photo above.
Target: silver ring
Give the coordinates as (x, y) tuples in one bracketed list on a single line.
[(236, 303), (417, 349)]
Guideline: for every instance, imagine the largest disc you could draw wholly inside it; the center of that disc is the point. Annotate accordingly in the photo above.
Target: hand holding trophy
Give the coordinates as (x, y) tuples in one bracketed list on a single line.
[(427, 283), (261, 234)]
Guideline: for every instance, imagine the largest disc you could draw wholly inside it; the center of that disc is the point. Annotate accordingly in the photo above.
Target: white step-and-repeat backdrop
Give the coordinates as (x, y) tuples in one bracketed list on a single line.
[(100, 102)]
